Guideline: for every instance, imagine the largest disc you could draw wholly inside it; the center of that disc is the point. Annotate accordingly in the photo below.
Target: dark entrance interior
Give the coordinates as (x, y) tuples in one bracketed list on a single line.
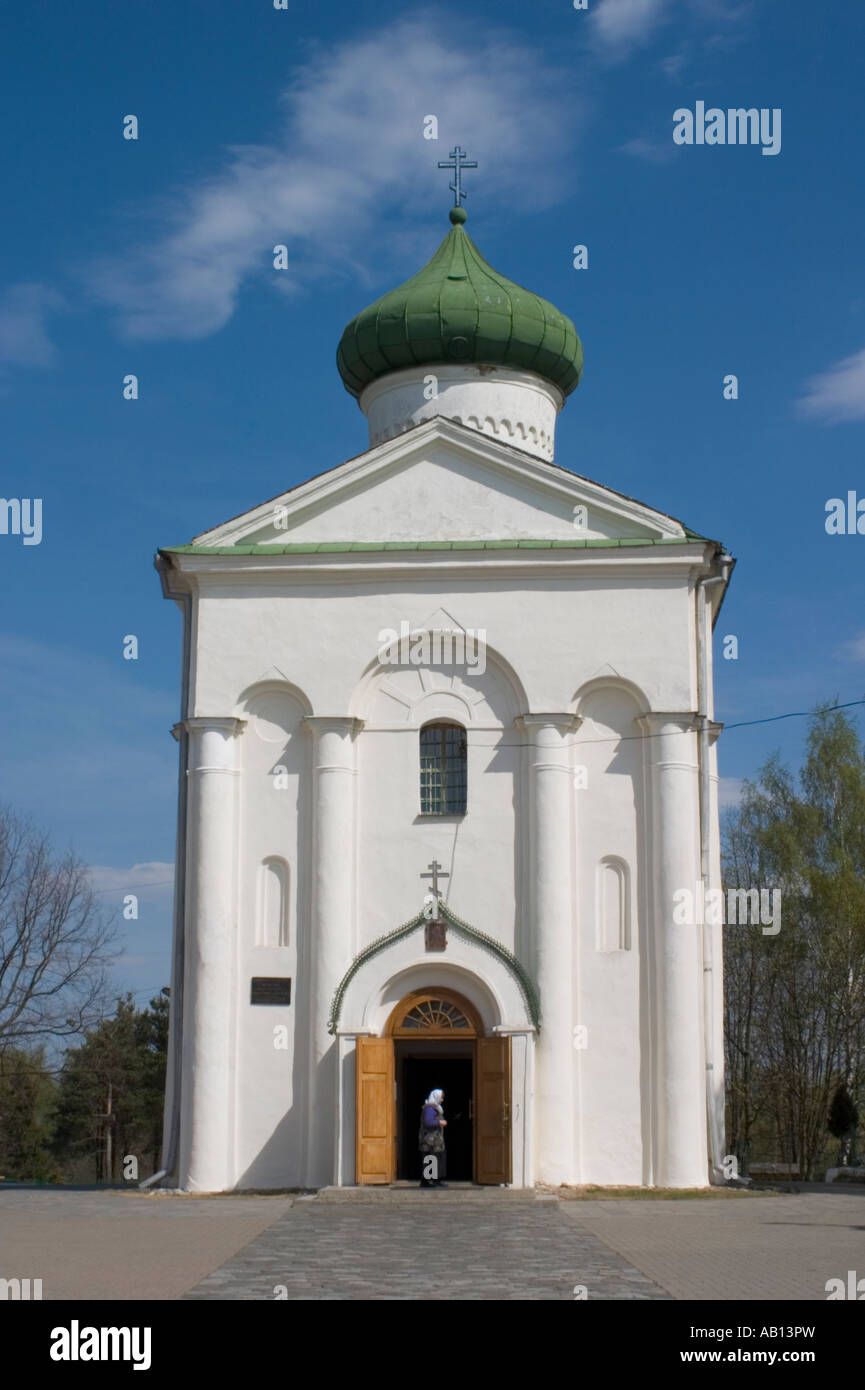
[(420, 1068)]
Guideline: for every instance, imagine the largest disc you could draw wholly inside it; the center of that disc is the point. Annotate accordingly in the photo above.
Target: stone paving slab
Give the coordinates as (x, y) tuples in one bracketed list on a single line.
[(123, 1245), (92, 1245), (774, 1247), (435, 1249)]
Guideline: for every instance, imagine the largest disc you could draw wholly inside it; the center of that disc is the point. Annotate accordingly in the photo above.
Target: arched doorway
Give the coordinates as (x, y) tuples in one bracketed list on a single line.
[(433, 1037)]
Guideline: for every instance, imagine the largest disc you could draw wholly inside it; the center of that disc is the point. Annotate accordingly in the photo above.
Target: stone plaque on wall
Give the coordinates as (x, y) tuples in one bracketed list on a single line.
[(270, 989)]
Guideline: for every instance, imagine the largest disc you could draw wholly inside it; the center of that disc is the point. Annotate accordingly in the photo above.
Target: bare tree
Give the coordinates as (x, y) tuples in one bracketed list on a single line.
[(55, 941), (751, 984)]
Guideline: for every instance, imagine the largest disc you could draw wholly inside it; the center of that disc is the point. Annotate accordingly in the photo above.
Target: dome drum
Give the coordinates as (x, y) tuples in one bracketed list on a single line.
[(504, 359), (518, 408)]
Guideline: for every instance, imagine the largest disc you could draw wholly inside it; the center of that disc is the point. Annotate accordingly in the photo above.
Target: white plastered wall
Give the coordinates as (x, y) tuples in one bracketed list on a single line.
[(305, 644)]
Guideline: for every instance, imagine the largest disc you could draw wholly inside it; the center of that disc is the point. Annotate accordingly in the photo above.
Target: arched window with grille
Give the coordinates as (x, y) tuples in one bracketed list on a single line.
[(434, 1014), (443, 782)]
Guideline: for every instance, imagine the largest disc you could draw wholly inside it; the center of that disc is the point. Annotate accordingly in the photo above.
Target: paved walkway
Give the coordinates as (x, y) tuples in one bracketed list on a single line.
[(738, 1249), (437, 1248), (125, 1245), (406, 1244)]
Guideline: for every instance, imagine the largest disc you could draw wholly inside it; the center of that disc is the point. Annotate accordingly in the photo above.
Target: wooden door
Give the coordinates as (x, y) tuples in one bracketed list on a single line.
[(376, 1138), (493, 1110)]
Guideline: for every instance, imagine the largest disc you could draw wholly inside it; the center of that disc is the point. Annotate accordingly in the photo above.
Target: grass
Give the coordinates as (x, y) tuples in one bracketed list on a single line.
[(649, 1194)]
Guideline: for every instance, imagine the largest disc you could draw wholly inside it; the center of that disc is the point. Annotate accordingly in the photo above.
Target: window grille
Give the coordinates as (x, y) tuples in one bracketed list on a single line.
[(443, 781)]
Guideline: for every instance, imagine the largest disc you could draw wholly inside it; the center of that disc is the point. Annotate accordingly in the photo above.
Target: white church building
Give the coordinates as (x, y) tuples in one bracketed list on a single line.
[(447, 754)]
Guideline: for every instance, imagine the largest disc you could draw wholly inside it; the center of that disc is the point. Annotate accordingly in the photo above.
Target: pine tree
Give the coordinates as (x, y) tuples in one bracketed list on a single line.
[(842, 1121), (111, 1093), (27, 1096)]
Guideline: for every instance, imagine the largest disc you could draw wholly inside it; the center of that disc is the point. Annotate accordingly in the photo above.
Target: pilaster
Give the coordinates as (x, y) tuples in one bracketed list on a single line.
[(680, 1148), (206, 1140), (553, 855), (333, 918)]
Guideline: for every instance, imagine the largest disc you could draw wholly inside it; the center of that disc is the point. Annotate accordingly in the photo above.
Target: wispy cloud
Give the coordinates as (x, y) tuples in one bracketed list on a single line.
[(729, 792), (24, 341), (650, 148), (121, 766), (837, 394), (621, 25), (138, 878), (350, 151), (38, 678), (854, 650), (672, 65)]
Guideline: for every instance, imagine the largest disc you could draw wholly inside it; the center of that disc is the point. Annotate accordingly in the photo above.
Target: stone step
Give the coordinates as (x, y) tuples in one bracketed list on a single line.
[(410, 1192)]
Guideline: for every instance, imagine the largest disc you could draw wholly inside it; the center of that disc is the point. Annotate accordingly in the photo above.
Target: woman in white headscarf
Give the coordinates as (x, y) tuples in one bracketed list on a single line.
[(431, 1141)]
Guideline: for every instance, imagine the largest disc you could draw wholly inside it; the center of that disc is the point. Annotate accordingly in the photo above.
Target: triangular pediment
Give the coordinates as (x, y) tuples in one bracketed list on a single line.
[(444, 482)]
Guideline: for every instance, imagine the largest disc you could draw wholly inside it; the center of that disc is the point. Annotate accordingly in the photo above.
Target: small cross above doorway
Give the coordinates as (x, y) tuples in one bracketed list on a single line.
[(436, 930), (436, 874)]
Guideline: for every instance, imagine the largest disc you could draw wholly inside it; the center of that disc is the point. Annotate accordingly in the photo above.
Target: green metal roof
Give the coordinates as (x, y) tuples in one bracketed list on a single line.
[(377, 547), (458, 309)]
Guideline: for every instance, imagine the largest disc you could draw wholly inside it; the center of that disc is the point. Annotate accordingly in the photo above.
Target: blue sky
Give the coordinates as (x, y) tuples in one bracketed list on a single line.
[(303, 126)]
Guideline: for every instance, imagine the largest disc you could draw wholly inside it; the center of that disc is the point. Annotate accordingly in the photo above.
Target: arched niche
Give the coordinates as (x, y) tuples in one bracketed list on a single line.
[(612, 905), (624, 695), (272, 899), (274, 708)]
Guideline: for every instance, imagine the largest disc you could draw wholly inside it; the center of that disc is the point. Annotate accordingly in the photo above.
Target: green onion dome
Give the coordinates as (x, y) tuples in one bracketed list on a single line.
[(459, 310)]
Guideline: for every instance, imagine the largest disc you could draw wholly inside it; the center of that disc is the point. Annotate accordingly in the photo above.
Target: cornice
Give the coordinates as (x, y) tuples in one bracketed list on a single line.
[(652, 720), (324, 723), (680, 561), (200, 723), (564, 719)]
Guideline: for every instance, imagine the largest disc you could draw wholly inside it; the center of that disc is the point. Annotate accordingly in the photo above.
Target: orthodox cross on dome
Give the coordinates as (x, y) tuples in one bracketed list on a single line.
[(458, 156), (435, 876)]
